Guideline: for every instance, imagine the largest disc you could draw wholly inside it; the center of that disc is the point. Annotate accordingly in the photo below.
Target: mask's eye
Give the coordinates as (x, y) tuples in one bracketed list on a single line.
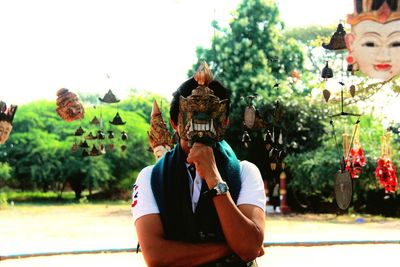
[(369, 44), (395, 44)]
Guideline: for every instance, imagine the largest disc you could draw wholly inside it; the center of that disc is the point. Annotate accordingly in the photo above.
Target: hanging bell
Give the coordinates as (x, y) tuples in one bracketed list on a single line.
[(350, 67), (79, 131), (117, 120), (102, 149), (327, 72), (100, 135), (95, 121), (74, 147), (110, 134), (94, 151), (124, 136), (337, 41), (109, 97), (84, 144), (85, 153), (246, 139), (90, 136), (123, 147), (268, 139), (273, 166), (280, 138)]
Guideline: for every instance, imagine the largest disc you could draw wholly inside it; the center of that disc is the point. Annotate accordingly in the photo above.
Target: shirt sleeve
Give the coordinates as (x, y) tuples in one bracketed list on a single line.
[(143, 201), (252, 189)]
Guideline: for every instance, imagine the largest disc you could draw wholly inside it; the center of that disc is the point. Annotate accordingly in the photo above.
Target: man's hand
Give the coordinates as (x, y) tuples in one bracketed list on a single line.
[(202, 156)]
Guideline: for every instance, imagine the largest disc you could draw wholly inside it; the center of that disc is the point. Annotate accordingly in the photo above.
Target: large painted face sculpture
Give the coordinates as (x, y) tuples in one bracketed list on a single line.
[(374, 41), (6, 119), (202, 115), (5, 130)]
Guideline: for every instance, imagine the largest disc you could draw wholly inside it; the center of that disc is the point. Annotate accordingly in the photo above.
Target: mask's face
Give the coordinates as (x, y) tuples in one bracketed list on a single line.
[(376, 48), (69, 108), (5, 130), (202, 117)]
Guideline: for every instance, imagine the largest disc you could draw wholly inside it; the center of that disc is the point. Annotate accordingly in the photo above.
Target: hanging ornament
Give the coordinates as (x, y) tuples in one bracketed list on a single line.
[(280, 138), (79, 131), (74, 147), (85, 153), (68, 106), (124, 136), (90, 136), (123, 147), (94, 152), (95, 121), (110, 134), (337, 40), (327, 72), (343, 189), (159, 137), (109, 98), (100, 135), (117, 120), (386, 171), (352, 90), (249, 113), (326, 94), (246, 139), (84, 144)]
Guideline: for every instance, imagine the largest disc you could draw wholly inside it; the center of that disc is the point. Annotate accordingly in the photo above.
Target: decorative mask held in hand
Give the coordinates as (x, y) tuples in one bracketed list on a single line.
[(202, 115)]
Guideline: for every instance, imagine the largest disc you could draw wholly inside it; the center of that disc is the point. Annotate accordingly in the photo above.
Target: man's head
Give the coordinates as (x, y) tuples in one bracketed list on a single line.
[(199, 108), (6, 119)]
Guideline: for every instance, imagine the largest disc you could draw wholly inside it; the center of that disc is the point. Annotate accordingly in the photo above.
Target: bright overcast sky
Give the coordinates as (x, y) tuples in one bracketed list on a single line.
[(148, 45)]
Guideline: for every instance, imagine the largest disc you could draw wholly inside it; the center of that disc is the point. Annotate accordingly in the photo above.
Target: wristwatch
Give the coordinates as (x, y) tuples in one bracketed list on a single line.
[(221, 188)]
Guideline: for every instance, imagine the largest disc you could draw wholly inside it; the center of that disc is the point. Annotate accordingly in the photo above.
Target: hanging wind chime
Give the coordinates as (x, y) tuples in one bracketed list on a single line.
[(352, 157), (273, 141)]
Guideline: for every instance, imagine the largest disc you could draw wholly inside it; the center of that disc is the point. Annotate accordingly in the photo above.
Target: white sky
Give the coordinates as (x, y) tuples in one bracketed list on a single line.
[(149, 44)]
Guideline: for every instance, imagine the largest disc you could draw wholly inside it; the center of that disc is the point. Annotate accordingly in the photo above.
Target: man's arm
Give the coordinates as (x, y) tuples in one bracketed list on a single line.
[(243, 226), (158, 251)]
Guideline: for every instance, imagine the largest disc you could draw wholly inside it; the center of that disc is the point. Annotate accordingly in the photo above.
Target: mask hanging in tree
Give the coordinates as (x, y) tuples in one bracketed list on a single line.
[(6, 119), (69, 108)]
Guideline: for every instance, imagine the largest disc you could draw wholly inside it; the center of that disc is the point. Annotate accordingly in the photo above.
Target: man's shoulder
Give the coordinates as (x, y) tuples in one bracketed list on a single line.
[(145, 172), (245, 165)]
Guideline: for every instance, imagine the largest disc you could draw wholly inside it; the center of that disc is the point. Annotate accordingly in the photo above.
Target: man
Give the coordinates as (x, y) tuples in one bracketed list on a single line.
[(214, 216)]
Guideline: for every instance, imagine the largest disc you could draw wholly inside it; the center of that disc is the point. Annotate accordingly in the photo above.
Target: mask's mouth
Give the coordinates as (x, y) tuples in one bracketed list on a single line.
[(202, 127)]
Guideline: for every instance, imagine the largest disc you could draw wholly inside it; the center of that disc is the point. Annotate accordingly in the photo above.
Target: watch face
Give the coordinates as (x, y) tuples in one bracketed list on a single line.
[(221, 188)]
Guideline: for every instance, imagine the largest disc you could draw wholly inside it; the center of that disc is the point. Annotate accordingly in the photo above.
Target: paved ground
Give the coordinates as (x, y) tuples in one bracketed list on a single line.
[(30, 229)]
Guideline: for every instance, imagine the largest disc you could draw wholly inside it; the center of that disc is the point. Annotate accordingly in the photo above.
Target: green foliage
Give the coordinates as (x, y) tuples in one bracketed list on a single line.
[(5, 173), (39, 148), (251, 57)]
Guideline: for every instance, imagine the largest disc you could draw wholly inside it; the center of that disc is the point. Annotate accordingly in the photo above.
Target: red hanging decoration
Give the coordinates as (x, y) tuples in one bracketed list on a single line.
[(386, 171), (354, 158)]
